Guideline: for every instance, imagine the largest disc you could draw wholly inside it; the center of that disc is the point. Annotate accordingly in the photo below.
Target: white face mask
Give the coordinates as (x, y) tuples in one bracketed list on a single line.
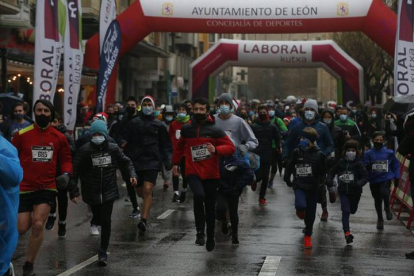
[(169, 118), (309, 115), (351, 155), (98, 140)]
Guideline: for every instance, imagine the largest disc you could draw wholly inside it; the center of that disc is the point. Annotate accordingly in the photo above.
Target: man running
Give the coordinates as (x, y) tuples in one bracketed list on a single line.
[(16, 123), (40, 146)]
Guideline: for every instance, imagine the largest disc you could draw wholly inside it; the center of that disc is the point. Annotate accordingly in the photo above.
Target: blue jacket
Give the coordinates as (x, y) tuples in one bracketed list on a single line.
[(324, 142), (382, 165), (11, 174)]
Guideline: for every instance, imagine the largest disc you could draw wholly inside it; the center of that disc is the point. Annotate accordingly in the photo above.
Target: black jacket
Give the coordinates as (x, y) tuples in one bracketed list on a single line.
[(148, 143), (119, 127), (407, 147), (235, 174), (62, 129), (352, 176), (266, 133), (96, 167), (307, 167)]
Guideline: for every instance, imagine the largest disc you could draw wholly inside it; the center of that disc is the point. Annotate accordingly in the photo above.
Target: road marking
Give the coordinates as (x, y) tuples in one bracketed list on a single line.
[(79, 266), (270, 266), (166, 214)]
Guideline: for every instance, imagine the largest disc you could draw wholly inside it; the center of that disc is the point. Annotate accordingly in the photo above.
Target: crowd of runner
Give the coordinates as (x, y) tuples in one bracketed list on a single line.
[(321, 150)]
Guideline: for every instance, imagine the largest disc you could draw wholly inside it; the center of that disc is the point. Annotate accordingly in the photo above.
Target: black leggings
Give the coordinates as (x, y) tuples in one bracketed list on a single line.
[(205, 194), (229, 202), (381, 192), (262, 174), (176, 179), (276, 162), (102, 216), (62, 199)]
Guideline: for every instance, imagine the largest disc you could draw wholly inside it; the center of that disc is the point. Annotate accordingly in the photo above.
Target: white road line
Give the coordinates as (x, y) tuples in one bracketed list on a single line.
[(79, 266), (270, 266), (166, 214)]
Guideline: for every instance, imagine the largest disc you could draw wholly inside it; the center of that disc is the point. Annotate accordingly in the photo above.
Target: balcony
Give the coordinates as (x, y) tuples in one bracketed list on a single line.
[(9, 7), (15, 14)]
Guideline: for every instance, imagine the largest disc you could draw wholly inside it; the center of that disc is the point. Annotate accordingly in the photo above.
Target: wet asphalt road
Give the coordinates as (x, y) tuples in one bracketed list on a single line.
[(168, 247)]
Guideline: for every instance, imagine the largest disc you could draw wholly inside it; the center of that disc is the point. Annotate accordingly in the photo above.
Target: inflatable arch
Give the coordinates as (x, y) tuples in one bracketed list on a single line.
[(286, 54), (372, 17)]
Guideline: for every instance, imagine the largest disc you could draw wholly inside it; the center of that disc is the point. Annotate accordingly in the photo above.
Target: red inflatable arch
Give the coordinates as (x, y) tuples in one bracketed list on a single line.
[(288, 54), (372, 17)]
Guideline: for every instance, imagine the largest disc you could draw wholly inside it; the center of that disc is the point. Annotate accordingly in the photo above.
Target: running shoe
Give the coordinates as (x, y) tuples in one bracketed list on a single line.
[(61, 229), (200, 239), (324, 216), (102, 258), (380, 224), (210, 244), (224, 228), (183, 196), (50, 223), (135, 214), (253, 186), (307, 242), (301, 214), (410, 255), (142, 226), (262, 202), (349, 237), (388, 213), (270, 185), (176, 198), (235, 239), (94, 230), (28, 269)]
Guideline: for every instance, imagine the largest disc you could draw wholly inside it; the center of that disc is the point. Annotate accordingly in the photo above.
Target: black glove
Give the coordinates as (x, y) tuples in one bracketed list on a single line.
[(73, 189), (396, 182), (62, 182)]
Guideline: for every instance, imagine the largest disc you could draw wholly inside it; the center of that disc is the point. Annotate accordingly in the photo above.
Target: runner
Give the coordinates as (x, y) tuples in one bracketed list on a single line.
[(146, 144), (167, 118), (349, 127), (352, 176), (267, 134), (202, 143), (174, 132), (382, 166), (40, 146), (16, 122), (95, 165), (11, 174), (307, 164)]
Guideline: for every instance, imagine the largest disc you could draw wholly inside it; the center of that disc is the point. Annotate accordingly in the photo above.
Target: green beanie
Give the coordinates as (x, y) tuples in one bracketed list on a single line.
[(99, 126)]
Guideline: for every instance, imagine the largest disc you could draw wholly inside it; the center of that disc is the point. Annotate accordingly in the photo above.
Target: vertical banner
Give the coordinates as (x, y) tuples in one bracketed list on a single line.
[(110, 52), (73, 62), (50, 27), (107, 14), (404, 50)]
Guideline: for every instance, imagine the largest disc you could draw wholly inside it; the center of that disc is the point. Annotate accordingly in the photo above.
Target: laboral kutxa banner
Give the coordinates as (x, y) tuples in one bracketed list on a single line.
[(404, 50), (108, 59), (50, 28), (107, 14), (73, 62)]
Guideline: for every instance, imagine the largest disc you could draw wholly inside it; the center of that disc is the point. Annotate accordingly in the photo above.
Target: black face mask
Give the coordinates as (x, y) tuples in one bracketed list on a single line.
[(130, 110), (42, 120), (244, 116), (263, 117), (199, 117), (378, 145)]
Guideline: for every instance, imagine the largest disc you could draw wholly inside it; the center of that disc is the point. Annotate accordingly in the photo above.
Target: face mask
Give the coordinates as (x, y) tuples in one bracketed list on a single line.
[(200, 117), (263, 117), (309, 115), (181, 115), (304, 143), (42, 120), (111, 115), (272, 113), (147, 110), (378, 145), (374, 115), (350, 155), (169, 118), (130, 110), (354, 111), (243, 115), (343, 117), (157, 112), (98, 140), (224, 109), (18, 116), (327, 121), (251, 113)]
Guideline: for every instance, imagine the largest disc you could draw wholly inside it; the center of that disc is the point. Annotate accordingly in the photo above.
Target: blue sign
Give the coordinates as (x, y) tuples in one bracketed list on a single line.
[(109, 55)]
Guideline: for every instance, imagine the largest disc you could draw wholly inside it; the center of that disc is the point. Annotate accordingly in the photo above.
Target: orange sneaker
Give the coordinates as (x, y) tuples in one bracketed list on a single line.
[(307, 242), (301, 214)]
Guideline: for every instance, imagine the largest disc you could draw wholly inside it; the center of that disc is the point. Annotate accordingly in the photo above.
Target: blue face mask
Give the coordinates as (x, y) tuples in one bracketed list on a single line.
[(98, 140), (156, 113), (309, 115), (304, 143), (343, 117), (272, 113), (147, 110), (181, 115), (224, 109), (251, 113), (169, 118)]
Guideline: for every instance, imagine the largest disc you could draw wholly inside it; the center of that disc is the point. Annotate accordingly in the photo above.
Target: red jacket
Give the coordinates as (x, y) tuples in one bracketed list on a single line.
[(39, 151), (175, 131), (192, 143)]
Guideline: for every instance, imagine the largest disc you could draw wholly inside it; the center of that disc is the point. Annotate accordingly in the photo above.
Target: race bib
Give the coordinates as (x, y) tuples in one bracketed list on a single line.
[(101, 160), (380, 166), (42, 154), (200, 153), (303, 170), (178, 134), (347, 177)]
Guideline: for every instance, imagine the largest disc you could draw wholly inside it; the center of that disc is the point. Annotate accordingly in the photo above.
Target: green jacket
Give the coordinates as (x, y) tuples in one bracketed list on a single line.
[(349, 126), (280, 125)]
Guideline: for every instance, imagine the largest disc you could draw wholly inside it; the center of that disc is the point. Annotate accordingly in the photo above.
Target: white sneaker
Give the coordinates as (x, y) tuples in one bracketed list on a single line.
[(94, 230)]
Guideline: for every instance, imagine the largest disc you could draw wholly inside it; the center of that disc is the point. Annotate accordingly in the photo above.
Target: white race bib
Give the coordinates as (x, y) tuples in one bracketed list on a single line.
[(380, 166), (178, 134), (347, 177), (200, 153), (42, 154), (100, 161), (303, 170)]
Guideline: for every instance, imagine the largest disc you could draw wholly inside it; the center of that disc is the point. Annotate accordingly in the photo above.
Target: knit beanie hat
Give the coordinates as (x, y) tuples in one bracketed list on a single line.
[(226, 97), (99, 126), (311, 104)]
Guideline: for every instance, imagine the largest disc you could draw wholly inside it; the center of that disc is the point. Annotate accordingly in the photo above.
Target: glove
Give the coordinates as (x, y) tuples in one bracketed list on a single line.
[(332, 194), (396, 182), (243, 149), (62, 182)]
